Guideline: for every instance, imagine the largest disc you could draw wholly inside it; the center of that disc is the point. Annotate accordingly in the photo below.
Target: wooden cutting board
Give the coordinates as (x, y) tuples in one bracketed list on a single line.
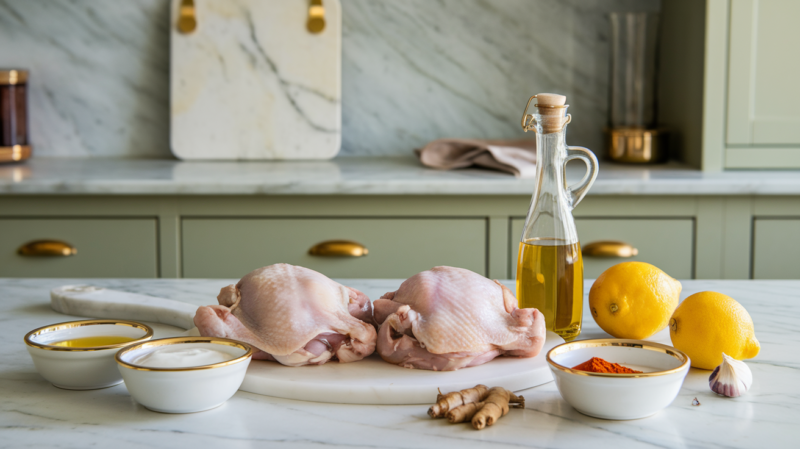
[(252, 82), (369, 381)]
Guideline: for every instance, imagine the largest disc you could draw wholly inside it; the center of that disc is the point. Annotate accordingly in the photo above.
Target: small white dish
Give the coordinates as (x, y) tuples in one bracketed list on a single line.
[(86, 368), (189, 389), (619, 396)]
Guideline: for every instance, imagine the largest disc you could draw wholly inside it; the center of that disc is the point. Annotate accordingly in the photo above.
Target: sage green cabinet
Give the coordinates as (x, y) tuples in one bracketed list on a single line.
[(667, 243), (118, 248), (776, 248), (702, 237), (750, 85), (763, 88), (398, 247)]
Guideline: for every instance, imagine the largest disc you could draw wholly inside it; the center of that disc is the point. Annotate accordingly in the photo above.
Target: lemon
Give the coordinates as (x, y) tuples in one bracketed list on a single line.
[(707, 324), (633, 300)]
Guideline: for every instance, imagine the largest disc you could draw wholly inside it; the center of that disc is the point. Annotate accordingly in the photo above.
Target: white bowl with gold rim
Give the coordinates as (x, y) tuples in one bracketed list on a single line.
[(619, 396), (85, 367), (185, 389)]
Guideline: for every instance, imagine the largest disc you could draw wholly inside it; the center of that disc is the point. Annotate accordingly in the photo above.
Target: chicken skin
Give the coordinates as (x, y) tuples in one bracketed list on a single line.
[(449, 318), (294, 316)]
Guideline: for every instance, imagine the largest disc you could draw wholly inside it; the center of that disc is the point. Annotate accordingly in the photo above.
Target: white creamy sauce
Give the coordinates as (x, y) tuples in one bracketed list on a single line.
[(181, 357)]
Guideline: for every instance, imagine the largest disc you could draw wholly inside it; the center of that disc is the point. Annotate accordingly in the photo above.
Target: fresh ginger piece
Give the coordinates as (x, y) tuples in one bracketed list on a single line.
[(487, 415), (518, 401), (449, 401), (474, 394), (495, 406), (464, 412)]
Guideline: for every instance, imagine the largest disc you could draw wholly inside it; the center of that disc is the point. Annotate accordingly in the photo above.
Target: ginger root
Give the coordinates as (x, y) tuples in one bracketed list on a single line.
[(479, 405), (464, 412), (449, 401), (495, 406)]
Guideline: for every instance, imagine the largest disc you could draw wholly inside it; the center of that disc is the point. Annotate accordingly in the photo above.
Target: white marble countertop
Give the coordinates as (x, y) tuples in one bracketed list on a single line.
[(35, 414), (359, 176)]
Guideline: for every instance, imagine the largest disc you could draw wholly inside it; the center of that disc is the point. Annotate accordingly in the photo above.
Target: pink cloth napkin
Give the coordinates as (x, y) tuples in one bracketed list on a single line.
[(517, 157)]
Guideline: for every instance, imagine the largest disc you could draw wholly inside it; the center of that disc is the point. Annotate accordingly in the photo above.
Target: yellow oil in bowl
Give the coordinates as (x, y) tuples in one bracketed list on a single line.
[(91, 342)]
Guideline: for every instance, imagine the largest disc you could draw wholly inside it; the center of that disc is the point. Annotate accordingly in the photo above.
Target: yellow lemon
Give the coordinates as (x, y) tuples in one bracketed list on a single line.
[(633, 300), (707, 324)]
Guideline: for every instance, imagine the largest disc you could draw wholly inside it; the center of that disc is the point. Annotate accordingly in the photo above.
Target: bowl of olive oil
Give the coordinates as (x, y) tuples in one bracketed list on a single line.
[(79, 355)]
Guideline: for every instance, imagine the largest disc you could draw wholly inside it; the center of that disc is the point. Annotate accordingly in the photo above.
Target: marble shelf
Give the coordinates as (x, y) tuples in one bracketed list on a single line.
[(358, 176), (35, 414)]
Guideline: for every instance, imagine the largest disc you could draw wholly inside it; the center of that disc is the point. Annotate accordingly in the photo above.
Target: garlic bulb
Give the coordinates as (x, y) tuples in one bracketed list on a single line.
[(731, 378)]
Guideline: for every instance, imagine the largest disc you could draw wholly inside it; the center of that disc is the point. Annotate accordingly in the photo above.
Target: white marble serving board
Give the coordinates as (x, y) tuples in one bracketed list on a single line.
[(370, 381), (373, 381), (97, 302), (251, 82)]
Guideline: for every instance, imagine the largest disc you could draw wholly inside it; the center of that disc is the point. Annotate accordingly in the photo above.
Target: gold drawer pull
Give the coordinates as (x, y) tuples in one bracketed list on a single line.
[(338, 248), (609, 248), (316, 17), (47, 248), (187, 20)]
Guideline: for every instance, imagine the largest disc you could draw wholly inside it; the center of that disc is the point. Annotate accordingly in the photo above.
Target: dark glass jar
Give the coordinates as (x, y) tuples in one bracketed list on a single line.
[(14, 144)]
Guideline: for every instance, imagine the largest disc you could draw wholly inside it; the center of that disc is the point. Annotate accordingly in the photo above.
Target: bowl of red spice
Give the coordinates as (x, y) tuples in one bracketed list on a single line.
[(617, 378)]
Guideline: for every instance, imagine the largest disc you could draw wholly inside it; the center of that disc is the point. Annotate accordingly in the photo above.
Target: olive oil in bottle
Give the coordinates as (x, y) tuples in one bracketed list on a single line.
[(550, 266), (550, 278)]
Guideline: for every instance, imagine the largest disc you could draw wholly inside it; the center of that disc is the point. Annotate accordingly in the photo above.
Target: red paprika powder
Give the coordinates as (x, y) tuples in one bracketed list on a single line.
[(598, 365)]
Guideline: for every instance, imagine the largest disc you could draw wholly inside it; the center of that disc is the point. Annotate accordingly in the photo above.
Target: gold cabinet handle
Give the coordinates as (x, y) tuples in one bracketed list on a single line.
[(338, 248), (316, 17), (187, 19), (47, 248), (609, 248)]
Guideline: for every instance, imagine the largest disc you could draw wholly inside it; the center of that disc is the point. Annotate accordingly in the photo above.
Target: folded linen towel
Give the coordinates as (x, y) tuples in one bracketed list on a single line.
[(517, 157)]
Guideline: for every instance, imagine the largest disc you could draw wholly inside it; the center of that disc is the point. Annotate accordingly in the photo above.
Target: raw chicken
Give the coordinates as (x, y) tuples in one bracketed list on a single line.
[(294, 315), (449, 318)]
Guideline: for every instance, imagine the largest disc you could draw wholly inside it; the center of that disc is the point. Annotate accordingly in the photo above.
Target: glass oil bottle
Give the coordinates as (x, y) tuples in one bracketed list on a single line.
[(550, 266)]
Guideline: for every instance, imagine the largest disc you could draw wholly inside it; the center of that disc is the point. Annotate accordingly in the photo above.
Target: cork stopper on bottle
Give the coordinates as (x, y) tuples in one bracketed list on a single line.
[(551, 111)]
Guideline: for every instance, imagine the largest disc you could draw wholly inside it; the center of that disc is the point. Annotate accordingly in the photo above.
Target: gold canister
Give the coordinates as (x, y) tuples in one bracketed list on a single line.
[(637, 145), (14, 144)]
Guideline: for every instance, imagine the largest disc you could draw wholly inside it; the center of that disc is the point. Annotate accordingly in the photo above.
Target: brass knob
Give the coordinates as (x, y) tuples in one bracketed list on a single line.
[(316, 17), (47, 248), (609, 248), (187, 18), (338, 248)]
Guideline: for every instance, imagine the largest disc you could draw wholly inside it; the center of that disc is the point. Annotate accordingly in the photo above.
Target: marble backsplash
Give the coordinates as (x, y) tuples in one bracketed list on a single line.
[(413, 70)]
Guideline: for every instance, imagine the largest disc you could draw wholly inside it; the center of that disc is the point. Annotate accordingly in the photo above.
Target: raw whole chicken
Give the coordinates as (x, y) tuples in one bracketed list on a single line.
[(294, 315), (449, 318)]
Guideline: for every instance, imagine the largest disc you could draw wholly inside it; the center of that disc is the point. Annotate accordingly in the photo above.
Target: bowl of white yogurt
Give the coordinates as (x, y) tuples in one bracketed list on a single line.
[(184, 374)]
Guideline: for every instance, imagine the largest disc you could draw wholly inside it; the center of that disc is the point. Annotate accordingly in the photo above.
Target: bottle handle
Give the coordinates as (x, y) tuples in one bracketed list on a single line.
[(584, 154)]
